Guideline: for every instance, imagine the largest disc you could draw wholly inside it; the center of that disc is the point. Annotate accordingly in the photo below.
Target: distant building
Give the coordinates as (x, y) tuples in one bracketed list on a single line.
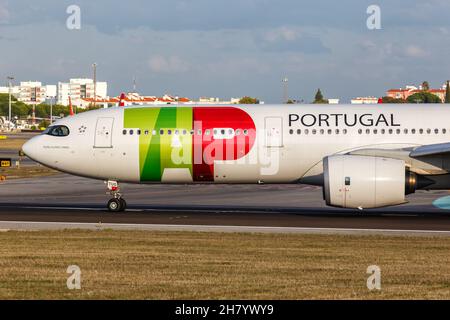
[(211, 100), (364, 100), (333, 101), (14, 90), (31, 92), (133, 98), (81, 88), (130, 99), (404, 93)]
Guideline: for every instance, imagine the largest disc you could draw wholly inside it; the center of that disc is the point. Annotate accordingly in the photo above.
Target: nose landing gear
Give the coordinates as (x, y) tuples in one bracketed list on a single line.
[(117, 203)]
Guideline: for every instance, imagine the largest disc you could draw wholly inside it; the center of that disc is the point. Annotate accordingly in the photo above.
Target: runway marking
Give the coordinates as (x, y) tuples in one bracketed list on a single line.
[(61, 208), (75, 208), (222, 210), (39, 225)]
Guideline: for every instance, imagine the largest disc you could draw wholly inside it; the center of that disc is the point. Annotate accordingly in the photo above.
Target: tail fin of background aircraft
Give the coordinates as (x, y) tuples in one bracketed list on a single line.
[(122, 98), (70, 107)]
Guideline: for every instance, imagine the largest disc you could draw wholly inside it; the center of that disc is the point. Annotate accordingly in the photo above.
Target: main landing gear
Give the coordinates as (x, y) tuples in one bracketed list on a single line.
[(117, 203)]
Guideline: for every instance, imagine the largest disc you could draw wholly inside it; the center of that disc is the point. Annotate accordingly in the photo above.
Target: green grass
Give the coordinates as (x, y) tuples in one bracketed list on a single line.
[(32, 171), (194, 265), (12, 144)]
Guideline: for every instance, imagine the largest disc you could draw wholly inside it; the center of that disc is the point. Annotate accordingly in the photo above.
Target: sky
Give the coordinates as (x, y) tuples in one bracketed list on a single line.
[(229, 48)]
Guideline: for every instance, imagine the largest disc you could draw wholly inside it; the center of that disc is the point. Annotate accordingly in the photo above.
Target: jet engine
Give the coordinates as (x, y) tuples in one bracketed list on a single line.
[(352, 181)]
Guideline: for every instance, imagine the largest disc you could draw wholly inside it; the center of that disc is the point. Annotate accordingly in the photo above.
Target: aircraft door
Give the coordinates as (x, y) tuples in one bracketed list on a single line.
[(103, 133), (274, 132)]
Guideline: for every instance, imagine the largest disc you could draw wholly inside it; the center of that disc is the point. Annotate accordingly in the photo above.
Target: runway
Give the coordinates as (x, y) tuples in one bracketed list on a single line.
[(224, 219), (64, 201)]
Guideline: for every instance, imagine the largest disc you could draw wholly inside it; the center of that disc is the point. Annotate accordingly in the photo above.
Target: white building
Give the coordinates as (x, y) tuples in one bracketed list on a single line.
[(81, 88), (31, 92), (14, 90), (333, 101), (211, 100), (365, 100)]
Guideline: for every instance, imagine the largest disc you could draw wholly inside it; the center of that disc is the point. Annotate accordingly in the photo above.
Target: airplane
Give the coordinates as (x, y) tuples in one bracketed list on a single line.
[(363, 157)]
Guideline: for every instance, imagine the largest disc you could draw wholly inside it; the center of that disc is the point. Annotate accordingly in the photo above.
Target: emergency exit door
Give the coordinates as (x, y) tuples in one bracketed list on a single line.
[(103, 133), (274, 132)]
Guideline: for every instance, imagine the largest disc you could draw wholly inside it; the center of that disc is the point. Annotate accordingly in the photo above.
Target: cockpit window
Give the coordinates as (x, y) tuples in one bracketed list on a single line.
[(57, 131)]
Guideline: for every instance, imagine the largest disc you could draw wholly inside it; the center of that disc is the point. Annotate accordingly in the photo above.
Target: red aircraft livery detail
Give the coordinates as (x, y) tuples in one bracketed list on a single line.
[(220, 145)]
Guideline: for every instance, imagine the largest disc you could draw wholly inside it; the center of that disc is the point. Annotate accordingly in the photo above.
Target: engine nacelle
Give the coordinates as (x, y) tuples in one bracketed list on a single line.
[(366, 182)]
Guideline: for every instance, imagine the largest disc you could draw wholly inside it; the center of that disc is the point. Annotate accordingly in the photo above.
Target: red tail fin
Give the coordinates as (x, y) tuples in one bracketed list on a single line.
[(122, 98), (70, 107)]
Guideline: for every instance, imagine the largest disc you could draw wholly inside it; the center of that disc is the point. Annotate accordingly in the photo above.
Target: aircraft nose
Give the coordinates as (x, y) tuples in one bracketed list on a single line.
[(31, 148)]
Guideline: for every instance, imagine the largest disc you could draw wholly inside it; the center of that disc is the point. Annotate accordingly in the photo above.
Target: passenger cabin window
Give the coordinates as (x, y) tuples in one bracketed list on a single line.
[(57, 131), (224, 133)]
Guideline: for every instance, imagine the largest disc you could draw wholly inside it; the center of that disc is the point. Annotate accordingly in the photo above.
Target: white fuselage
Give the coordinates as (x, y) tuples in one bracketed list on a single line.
[(281, 144)]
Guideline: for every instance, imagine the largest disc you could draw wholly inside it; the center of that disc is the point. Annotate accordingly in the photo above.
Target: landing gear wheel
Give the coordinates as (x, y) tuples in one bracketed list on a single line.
[(117, 203), (123, 204), (114, 205)]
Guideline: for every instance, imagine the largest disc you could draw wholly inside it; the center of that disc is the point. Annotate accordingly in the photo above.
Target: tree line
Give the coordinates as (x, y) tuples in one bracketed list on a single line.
[(424, 96)]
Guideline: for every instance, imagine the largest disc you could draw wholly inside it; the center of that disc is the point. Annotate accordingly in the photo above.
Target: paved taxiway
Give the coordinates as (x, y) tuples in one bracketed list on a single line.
[(14, 156), (64, 201)]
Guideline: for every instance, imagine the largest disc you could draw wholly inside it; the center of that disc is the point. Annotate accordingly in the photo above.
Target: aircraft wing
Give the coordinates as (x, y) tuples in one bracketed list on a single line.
[(431, 149), (379, 152), (415, 157)]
